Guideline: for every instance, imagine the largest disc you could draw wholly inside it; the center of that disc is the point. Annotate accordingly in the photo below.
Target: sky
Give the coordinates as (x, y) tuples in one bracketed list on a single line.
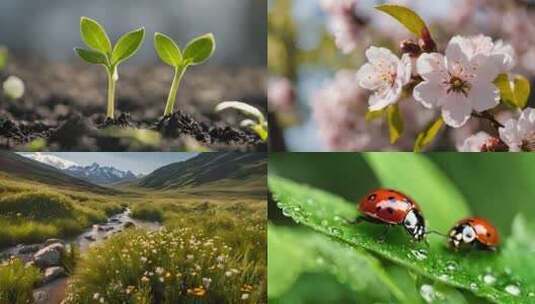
[(137, 162)]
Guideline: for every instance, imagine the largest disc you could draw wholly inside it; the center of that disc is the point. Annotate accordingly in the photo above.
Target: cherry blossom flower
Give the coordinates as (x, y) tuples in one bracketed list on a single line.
[(343, 23), (339, 111), (483, 45), (519, 134), (281, 95), (385, 74), (482, 142), (459, 82)]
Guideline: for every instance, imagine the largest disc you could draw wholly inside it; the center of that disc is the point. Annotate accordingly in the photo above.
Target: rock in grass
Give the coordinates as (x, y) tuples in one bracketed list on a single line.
[(54, 241), (27, 249), (40, 297), (49, 256), (53, 273), (129, 225)]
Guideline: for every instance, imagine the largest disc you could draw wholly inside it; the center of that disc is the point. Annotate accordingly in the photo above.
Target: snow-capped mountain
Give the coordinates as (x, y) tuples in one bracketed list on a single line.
[(100, 174), (50, 160)]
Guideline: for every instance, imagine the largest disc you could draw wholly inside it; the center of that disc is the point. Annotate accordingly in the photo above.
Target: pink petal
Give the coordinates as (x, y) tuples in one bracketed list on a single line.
[(484, 96), (429, 94), (456, 110)]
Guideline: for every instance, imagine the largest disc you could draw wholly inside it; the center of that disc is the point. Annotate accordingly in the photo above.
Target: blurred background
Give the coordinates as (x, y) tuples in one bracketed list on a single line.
[(316, 47), (50, 29)]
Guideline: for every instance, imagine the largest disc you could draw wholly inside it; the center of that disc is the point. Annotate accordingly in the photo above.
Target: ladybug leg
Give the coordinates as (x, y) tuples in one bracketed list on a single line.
[(382, 237)]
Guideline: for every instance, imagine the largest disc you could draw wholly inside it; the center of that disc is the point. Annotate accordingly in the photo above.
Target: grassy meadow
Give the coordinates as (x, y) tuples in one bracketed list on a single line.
[(211, 248)]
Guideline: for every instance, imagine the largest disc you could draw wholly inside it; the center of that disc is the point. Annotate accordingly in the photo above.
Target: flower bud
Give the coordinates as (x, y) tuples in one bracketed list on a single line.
[(494, 144), (426, 42), (410, 47)]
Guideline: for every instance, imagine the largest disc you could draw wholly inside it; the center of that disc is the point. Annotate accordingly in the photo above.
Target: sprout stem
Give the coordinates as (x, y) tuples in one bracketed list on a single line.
[(111, 94), (179, 72)]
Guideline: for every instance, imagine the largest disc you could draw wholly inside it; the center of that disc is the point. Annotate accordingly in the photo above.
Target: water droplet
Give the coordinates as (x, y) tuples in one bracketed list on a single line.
[(335, 231), (320, 261), (531, 294), (451, 266), (324, 223), (444, 277), (473, 286), (489, 279), (512, 290), (338, 218), (428, 293), (419, 254), (286, 211)]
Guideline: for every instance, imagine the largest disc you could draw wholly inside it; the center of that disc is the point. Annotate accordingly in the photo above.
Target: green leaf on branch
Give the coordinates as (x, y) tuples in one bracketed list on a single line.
[(428, 135), (4, 54), (411, 20), (127, 45), (200, 49), (395, 123), (326, 214), (513, 92), (373, 115)]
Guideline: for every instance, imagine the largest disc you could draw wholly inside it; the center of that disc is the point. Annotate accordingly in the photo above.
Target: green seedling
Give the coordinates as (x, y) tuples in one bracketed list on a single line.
[(3, 57), (196, 52), (260, 126), (101, 52)]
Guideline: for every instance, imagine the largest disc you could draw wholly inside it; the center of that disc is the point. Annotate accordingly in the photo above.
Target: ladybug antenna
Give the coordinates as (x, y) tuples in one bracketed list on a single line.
[(436, 232)]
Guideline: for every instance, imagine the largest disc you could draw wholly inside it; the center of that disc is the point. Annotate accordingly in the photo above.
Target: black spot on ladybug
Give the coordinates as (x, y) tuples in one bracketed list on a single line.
[(391, 198), (372, 197), (488, 234), (378, 208), (390, 210)]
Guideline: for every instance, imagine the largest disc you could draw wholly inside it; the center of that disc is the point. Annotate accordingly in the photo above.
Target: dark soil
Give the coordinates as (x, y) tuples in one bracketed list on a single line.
[(64, 105)]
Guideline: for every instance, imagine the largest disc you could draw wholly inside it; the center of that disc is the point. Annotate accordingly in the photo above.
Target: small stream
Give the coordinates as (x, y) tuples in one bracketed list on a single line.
[(98, 233)]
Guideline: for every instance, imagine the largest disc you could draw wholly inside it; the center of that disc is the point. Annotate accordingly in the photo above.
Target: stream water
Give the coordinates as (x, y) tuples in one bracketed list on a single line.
[(55, 290)]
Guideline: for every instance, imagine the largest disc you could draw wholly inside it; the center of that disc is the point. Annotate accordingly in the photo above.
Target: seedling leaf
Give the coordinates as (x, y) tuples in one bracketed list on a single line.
[(325, 213), (91, 56), (94, 35), (407, 17), (428, 135), (200, 49), (243, 107), (168, 51), (127, 45), (4, 54)]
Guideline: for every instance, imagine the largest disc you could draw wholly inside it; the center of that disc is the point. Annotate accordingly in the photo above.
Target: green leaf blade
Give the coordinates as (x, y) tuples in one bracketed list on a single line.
[(200, 49), (91, 56), (428, 135), (522, 89), (407, 17), (127, 45), (395, 123), (168, 51), (513, 92), (94, 35), (325, 213)]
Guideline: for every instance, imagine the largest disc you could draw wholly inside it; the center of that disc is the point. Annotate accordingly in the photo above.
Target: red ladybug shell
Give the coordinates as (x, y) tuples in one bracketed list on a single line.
[(386, 205), (486, 233)]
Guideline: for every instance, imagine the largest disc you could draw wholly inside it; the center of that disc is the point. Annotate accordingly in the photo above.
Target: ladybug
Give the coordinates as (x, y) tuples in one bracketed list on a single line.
[(474, 231), (391, 207)]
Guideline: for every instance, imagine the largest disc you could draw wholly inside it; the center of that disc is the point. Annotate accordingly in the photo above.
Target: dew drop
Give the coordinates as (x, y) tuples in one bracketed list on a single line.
[(428, 293), (512, 290), (286, 211), (531, 294), (473, 286), (335, 231), (324, 223), (338, 218), (451, 266), (489, 279), (320, 261), (419, 254), (444, 277)]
